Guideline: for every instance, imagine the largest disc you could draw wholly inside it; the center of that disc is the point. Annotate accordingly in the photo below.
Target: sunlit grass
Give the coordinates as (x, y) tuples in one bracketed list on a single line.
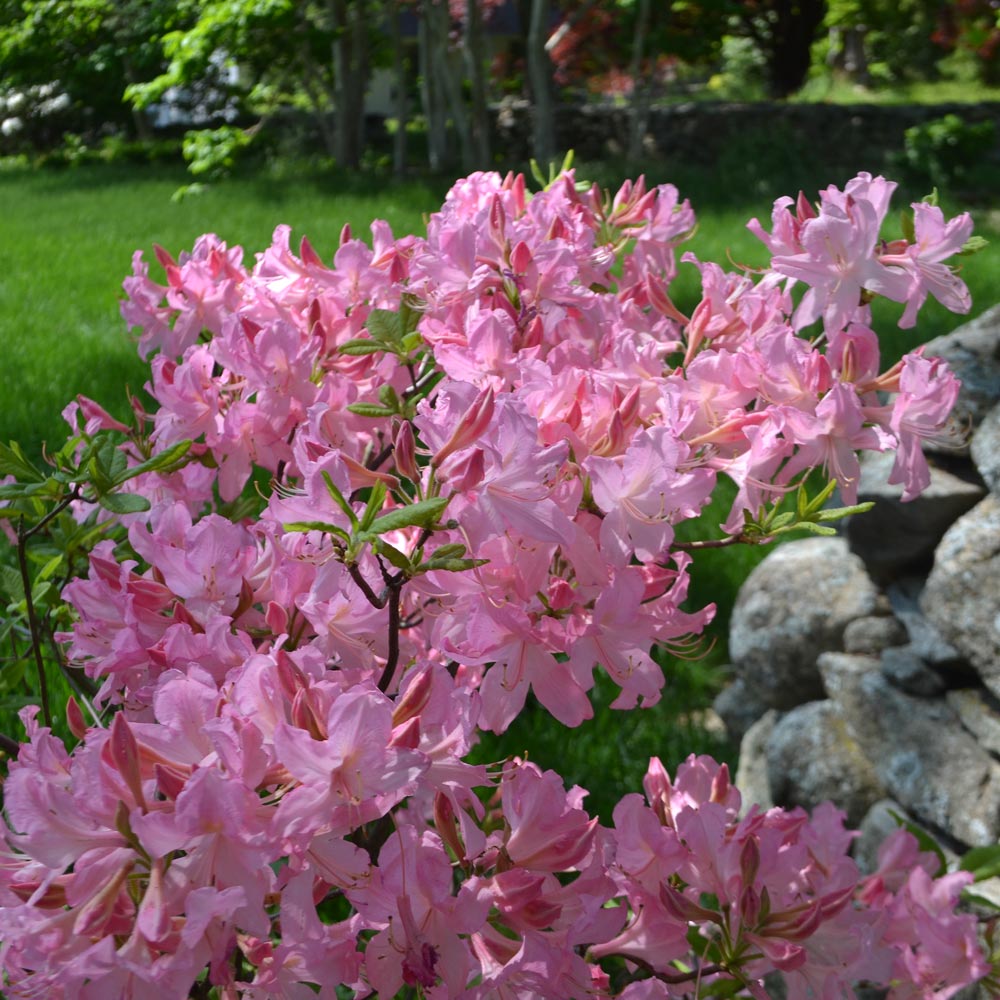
[(66, 243)]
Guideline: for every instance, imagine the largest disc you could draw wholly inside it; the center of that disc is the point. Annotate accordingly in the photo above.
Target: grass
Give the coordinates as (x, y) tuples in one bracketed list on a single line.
[(832, 90), (67, 241)]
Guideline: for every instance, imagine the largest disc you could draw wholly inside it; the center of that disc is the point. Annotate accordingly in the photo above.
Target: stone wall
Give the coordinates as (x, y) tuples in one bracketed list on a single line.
[(854, 137), (867, 666)]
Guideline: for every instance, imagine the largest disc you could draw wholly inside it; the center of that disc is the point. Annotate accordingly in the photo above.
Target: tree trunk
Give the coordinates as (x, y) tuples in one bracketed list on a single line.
[(432, 48), (401, 101), (448, 77), (641, 83), (792, 32), (143, 130), (475, 56), (540, 80), (350, 61)]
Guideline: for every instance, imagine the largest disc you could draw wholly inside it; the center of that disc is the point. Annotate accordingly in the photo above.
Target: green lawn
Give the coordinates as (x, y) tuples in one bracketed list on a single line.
[(66, 242)]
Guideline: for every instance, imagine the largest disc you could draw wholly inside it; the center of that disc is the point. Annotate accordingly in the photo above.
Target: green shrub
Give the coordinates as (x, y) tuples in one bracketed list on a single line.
[(948, 152)]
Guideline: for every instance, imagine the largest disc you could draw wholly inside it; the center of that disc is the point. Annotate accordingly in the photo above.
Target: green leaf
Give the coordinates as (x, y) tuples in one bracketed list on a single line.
[(385, 324), (811, 526), (451, 565), (983, 862), (780, 521), (387, 397), (452, 550), (21, 491), (360, 346), (836, 513), (50, 567), (14, 463), (162, 460), (423, 513), (906, 224), (325, 526), (398, 559), (821, 498), (973, 245), (11, 583), (340, 500), (722, 988), (370, 410), (123, 503), (374, 505), (924, 840)]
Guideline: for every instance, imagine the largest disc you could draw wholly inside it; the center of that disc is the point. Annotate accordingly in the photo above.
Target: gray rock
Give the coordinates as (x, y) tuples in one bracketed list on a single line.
[(980, 714), (919, 749), (926, 640), (794, 606), (973, 352), (751, 773), (812, 758), (907, 671), (869, 636), (894, 537), (961, 596), (985, 449), (739, 708)]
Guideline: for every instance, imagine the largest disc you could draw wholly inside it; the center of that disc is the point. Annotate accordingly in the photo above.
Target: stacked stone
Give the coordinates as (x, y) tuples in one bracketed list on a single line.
[(867, 666)]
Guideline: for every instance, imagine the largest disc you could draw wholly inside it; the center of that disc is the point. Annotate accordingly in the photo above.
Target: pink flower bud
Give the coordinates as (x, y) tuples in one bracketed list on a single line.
[(471, 426), (534, 334), (444, 823), (308, 254), (681, 908), (561, 595), (304, 716), (804, 208), (414, 700), (75, 718), (405, 452), (465, 472), (123, 750), (169, 782), (276, 618), (520, 258)]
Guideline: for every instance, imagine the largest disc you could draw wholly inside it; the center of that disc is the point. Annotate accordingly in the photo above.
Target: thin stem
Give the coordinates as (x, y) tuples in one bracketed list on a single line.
[(74, 494), (680, 977), (365, 588), (392, 656), (9, 746), (33, 624), (716, 543)]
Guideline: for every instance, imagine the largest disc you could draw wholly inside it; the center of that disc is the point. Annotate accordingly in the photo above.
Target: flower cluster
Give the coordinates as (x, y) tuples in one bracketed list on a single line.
[(410, 488)]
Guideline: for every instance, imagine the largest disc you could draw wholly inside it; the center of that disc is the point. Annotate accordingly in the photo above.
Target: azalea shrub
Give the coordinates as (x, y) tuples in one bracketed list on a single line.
[(379, 502)]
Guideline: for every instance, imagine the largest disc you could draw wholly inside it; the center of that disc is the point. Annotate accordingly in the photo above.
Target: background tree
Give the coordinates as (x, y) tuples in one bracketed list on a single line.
[(886, 41), (784, 31), (90, 50), (282, 49)]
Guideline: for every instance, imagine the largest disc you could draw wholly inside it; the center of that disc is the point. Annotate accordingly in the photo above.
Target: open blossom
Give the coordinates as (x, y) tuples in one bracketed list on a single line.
[(425, 482)]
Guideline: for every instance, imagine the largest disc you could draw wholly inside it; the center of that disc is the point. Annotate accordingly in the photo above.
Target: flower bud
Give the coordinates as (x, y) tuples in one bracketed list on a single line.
[(520, 258), (404, 449), (414, 700), (471, 425), (124, 752), (75, 718)]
